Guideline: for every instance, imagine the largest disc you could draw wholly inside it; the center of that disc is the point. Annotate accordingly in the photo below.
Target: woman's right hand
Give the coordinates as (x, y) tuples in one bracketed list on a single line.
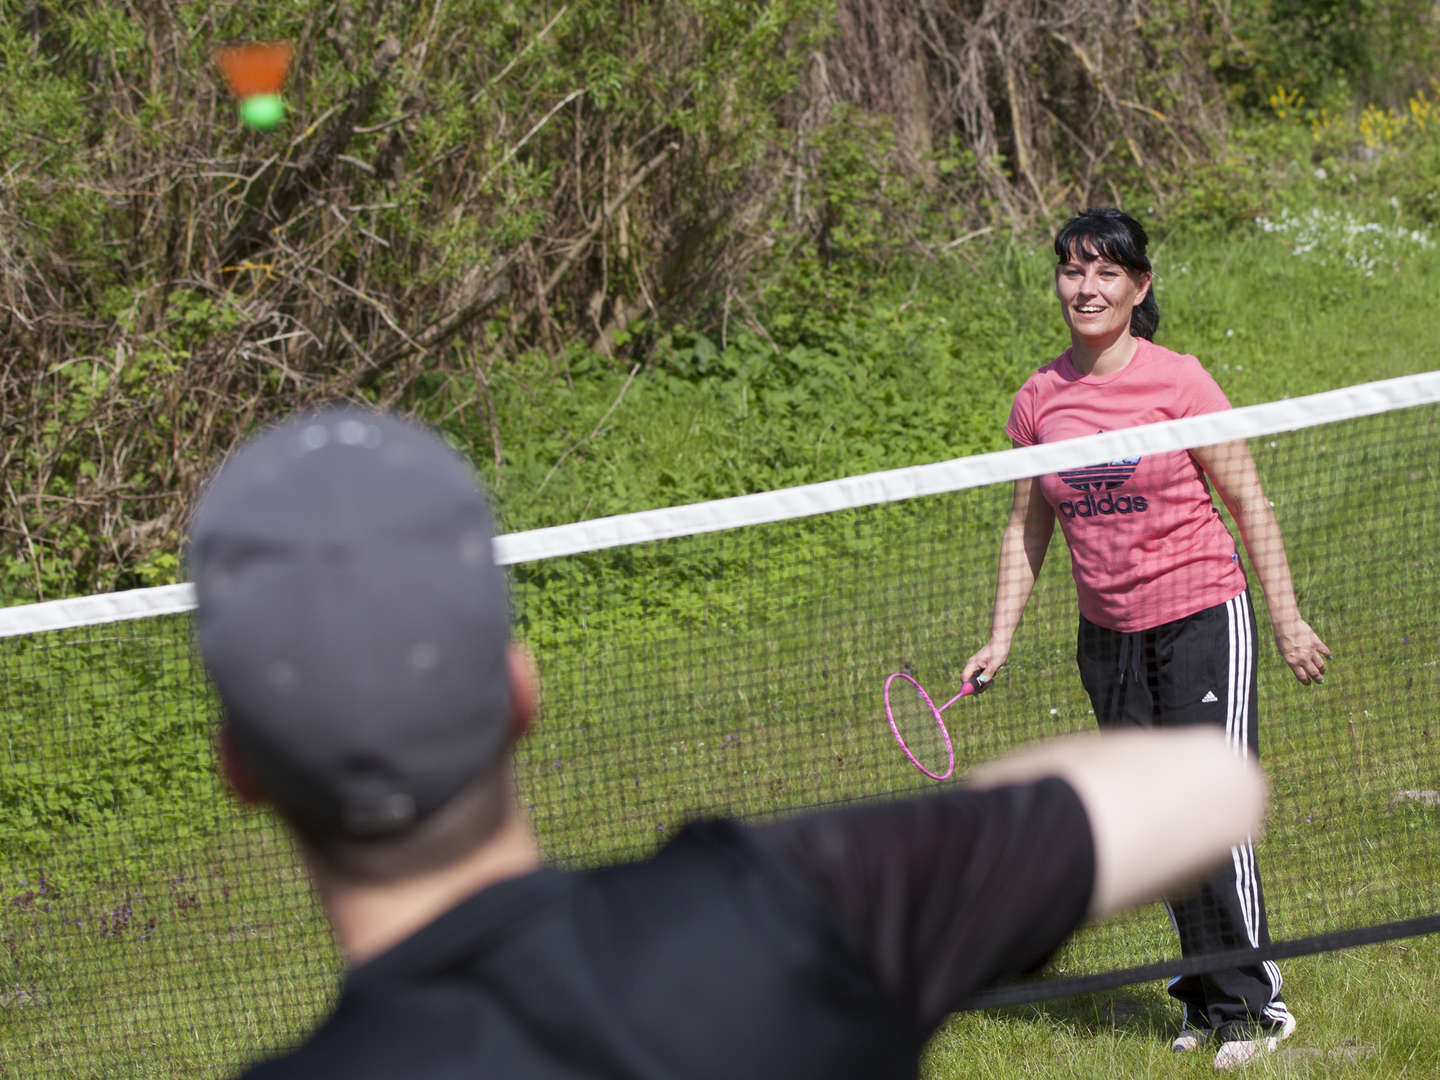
[(986, 662)]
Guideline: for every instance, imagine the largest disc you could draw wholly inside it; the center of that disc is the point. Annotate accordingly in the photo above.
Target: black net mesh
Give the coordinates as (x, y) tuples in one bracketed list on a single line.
[(148, 926), (146, 923)]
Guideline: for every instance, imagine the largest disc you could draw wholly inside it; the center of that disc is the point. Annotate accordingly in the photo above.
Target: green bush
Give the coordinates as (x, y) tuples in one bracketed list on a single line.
[(1334, 52)]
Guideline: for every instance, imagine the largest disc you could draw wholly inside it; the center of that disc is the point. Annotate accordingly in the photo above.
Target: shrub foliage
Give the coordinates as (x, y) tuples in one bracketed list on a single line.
[(472, 192)]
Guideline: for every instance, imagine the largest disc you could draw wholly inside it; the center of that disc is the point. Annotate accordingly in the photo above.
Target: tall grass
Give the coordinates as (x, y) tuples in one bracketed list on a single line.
[(844, 376)]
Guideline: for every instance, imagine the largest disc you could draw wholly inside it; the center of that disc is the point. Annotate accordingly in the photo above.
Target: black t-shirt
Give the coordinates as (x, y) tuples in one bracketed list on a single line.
[(820, 946)]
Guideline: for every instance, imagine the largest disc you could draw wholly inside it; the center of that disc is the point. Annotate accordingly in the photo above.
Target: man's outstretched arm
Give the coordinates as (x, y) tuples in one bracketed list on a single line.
[(1164, 806), (945, 894)]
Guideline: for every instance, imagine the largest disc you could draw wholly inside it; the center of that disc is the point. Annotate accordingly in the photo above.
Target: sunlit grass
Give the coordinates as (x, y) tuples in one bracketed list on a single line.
[(1362, 1014), (179, 946), (761, 694)]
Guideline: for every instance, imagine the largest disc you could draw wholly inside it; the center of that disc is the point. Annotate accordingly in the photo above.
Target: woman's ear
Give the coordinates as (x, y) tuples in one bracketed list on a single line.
[(1144, 283), (237, 773)]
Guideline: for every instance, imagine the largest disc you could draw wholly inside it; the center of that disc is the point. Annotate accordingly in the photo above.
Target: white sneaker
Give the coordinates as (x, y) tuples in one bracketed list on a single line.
[(1236, 1053), (1191, 1038)]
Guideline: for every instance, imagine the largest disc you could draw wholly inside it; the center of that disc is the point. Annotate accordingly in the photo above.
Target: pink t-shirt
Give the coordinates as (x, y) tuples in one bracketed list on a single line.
[(1146, 543)]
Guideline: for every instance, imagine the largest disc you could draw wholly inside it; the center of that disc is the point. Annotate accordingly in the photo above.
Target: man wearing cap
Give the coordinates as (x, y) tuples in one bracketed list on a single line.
[(354, 622)]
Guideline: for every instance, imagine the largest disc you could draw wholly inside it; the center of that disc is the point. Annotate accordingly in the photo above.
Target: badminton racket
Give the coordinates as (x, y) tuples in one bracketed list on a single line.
[(916, 706)]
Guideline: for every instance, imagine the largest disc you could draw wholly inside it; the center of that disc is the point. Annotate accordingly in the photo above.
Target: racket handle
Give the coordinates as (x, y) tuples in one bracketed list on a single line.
[(975, 686)]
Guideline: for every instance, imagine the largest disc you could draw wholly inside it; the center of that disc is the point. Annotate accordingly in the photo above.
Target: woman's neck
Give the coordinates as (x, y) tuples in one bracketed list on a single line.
[(1103, 358)]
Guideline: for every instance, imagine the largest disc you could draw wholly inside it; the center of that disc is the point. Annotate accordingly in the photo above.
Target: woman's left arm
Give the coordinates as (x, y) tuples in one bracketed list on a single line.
[(1232, 471)]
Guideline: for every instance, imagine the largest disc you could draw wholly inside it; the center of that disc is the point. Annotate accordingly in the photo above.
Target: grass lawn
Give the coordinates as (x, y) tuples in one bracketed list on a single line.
[(1362, 1013), (742, 673)]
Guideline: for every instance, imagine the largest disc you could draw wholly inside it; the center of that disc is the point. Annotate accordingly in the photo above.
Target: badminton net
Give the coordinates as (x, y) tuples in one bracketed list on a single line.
[(723, 658)]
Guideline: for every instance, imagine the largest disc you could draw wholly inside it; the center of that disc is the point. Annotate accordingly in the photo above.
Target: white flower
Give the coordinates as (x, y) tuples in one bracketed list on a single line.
[(1338, 239)]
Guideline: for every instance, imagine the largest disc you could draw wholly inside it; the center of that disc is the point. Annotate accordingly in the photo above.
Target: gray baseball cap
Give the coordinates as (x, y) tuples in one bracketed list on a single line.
[(353, 620)]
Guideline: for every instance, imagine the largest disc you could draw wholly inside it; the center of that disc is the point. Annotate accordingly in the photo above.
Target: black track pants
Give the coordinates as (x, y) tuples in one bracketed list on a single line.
[(1198, 670)]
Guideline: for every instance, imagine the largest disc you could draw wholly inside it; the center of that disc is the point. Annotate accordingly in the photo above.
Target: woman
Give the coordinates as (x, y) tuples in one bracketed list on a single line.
[(1166, 629)]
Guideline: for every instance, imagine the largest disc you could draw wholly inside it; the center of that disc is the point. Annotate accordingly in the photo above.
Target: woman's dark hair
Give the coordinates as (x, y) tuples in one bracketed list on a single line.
[(1107, 233)]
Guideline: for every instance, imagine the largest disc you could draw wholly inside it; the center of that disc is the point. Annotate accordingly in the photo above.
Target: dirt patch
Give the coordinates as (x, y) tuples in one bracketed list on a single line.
[(1348, 1051), (1424, 797)]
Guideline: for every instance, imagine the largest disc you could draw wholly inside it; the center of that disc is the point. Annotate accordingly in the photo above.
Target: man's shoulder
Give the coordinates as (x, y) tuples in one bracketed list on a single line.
[(618, 962), (380, 1030)]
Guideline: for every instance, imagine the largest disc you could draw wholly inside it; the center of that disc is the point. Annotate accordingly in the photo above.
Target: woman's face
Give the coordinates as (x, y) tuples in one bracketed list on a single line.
[(1097, 297)]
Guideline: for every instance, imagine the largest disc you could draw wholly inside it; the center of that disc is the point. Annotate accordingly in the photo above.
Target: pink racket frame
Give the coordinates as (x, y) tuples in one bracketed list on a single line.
[(965, 691)]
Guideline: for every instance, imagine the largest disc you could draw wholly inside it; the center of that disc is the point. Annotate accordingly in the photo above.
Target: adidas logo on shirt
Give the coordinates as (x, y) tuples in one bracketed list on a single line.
[(1209, 697)]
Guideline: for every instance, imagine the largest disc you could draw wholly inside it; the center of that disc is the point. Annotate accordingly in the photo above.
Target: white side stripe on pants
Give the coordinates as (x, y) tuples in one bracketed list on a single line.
[(1237, 734)]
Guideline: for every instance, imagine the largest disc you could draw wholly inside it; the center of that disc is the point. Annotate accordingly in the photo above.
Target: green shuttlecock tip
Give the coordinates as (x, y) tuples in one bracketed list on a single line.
[(262, 111)]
